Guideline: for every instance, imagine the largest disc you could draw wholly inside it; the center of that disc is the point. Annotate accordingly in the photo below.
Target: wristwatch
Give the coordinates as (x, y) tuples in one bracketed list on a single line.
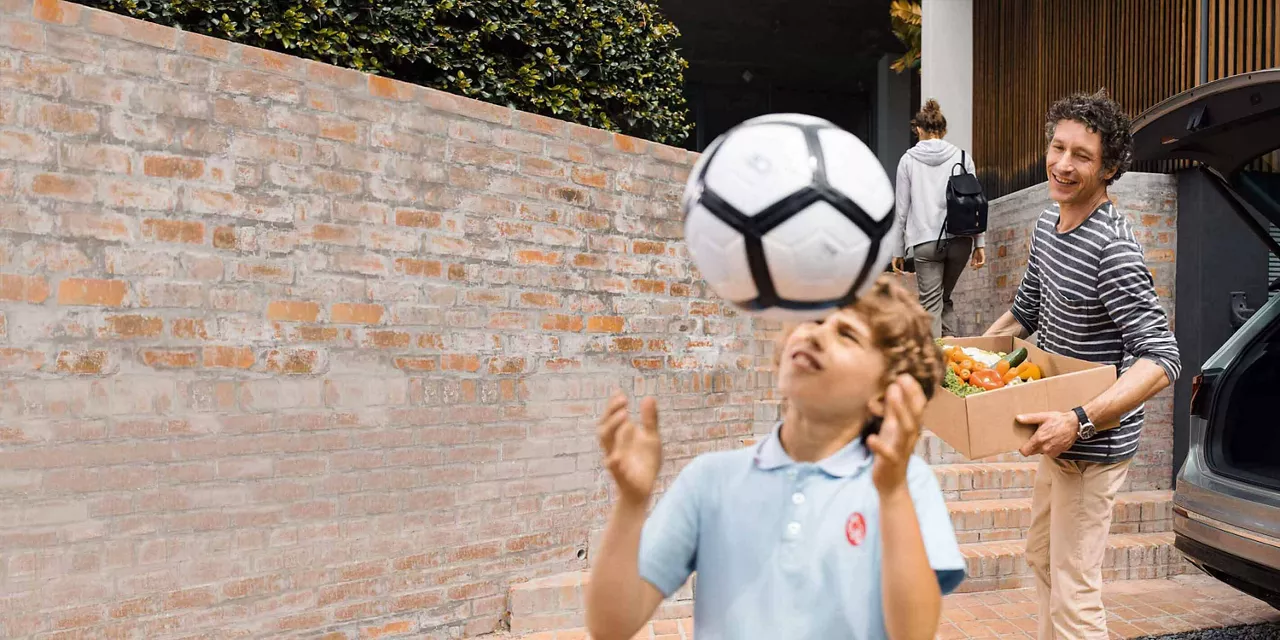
[(1087, 428)]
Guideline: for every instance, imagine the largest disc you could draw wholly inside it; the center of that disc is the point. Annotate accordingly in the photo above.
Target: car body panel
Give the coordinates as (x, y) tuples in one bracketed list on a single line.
[(1225, 525)]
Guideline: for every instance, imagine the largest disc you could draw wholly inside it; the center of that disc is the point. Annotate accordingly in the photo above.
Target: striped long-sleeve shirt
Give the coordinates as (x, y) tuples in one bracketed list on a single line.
[(1089, 295)]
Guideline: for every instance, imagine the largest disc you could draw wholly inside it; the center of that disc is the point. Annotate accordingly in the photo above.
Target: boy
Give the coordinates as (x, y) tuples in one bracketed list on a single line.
[(829, 528)]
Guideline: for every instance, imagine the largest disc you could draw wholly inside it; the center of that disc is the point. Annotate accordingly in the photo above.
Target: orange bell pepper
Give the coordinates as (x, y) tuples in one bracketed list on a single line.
[(1002, 367)]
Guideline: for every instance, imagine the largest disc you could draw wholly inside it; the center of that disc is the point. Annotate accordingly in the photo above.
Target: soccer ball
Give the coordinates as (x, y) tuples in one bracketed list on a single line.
[(789, 216)]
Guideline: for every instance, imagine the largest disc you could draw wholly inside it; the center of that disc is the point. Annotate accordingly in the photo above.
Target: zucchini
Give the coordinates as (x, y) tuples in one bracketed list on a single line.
[(1016, 358)]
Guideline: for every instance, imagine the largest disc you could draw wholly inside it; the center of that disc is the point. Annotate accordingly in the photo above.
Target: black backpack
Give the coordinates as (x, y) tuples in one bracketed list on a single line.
[(966, 206)]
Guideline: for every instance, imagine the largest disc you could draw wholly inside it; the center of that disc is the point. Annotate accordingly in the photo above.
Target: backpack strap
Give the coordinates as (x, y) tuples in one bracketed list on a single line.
[(961, 164)]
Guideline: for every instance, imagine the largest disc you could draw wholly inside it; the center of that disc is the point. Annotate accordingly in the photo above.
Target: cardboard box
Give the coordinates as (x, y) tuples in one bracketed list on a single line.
[(985, 424)]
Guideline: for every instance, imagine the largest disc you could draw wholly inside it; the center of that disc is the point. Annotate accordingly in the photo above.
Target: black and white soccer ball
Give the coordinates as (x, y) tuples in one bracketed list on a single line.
[(788, 216)]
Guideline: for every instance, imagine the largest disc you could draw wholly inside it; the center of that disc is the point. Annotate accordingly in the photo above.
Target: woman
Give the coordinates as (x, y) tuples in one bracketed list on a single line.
[(922, 207)]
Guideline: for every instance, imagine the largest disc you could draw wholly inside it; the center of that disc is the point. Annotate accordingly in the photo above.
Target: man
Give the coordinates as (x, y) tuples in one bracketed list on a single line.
[(829, 528), (1089, 295)]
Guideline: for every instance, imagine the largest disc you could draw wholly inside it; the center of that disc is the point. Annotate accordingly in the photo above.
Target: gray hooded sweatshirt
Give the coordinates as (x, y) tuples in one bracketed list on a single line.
[(921, 194)]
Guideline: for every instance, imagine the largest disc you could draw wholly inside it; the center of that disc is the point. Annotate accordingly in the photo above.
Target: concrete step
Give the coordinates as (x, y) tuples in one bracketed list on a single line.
[(1009, 519), (1002, 565)]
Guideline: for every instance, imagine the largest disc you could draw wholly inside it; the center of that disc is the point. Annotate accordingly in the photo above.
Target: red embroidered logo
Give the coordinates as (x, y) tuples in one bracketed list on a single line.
[(855, 529)]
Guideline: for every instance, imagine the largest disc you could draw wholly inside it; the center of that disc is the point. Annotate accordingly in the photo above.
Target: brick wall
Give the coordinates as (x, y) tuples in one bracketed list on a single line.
[(290, 350), (1150, 202)]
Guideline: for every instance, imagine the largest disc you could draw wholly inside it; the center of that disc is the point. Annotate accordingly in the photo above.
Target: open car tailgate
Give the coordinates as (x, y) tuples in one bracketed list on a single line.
[(1224, 125)]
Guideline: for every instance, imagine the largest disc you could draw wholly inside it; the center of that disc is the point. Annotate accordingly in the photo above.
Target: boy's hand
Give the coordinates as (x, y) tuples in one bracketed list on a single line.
[(893, 446), (633, 453)]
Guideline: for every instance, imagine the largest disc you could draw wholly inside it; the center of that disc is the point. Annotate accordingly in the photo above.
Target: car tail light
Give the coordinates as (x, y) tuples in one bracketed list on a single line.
[(1201, 389)]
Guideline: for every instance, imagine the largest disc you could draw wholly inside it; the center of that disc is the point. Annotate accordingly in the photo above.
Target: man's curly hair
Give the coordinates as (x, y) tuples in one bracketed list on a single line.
[(1102, 115)]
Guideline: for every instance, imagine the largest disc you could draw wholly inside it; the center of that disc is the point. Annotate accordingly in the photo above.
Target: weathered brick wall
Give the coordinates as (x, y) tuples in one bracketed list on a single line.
[(1150, 202), (286, 349)]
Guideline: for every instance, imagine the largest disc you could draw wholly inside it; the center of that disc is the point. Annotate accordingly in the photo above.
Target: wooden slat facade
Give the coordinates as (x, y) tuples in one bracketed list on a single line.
[(1028, 53)]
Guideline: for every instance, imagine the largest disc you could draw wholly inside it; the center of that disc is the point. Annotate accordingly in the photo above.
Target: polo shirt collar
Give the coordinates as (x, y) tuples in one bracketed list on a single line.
[(844, 463)]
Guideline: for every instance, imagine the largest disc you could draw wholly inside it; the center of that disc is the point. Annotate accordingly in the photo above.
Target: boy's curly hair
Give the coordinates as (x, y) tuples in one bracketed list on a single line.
[(901, 329), (903, 332), (1102, 115)]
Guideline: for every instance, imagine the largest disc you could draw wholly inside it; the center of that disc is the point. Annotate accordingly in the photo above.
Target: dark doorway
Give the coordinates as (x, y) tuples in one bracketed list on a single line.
[(771, 56)]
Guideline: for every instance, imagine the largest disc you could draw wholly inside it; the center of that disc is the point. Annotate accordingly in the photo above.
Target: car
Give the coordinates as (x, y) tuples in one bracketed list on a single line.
[(1226, 511)]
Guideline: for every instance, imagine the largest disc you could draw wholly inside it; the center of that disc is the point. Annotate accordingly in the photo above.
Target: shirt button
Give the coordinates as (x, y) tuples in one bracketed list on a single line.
[(797, 498), (791, 473), (793, 529)]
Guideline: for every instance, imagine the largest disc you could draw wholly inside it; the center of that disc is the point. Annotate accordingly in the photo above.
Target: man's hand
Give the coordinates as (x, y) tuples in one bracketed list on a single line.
[(1055, 433), (633, 453), (899, 265), (979, 257), (893, 446)]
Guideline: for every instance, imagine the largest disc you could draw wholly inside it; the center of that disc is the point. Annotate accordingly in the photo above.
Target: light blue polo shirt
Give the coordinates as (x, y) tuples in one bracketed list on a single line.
[(786, 549)]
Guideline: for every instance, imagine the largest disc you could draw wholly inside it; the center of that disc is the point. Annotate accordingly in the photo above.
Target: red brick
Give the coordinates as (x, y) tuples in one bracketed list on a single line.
[(29, 289), (380, 87), (63, 119), (388, 339), (204, 46), (338, 129), (338, 182), (336, 234), (590, 177), (294, 361), (173, 167), (83, 362), (22, 35), (133, 194), (419, 268), (417, 365), (416, 218), (260, 85), (556, 322), (460, 362), (281, 273), (16, 360), (537, 257), (102, 293), (173, 231), (134, 30), (506, 366), (347, 313), (293, 311), (387, 629), (271, 61), (96, 157), (63, 187), (228, 357), (171, 294), (649, 286), (414, 601), (26, 147), (133, 326), (189, 329), (605, 324), (169, 358)]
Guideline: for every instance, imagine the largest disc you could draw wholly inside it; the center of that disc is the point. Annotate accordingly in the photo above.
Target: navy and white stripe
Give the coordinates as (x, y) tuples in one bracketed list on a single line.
[(1090, 296)]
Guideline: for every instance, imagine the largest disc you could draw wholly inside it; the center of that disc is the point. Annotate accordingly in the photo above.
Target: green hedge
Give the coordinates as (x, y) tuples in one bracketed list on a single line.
[(611, 64)]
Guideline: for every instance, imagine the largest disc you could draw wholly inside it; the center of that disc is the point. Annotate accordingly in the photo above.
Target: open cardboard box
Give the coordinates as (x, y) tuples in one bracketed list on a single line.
[(985, 424)]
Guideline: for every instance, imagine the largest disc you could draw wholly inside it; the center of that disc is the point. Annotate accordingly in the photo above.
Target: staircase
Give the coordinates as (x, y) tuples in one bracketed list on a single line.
[(990, 506)]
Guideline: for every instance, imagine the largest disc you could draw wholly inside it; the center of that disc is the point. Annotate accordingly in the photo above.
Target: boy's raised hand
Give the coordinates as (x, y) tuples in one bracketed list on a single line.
[(893, 446), (632, 453)]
